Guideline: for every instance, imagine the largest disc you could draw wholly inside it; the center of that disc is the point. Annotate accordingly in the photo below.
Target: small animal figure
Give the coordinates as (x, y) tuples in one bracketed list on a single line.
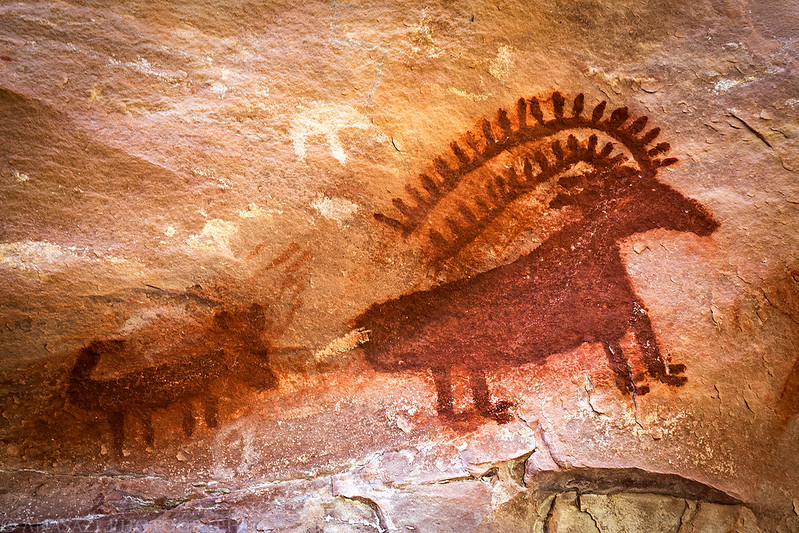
[(201, 366), (203, 356), (570, 290)]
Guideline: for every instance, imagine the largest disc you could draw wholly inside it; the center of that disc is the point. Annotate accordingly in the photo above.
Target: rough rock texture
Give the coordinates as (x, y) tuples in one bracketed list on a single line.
[(188, 240)]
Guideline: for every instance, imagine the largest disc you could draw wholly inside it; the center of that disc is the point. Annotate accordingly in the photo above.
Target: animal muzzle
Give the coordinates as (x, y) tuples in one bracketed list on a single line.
[(383, 356), (704, 224)]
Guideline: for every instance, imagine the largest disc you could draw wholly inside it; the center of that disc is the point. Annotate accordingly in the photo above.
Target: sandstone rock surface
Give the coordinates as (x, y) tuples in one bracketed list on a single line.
[(187, 186)]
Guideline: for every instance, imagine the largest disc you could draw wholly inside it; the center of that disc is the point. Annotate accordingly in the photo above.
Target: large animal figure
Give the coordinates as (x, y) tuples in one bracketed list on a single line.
[(571, 289)]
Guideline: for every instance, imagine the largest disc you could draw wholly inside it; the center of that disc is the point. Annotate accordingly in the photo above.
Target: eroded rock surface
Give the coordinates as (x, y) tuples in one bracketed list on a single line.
[(204, 326)]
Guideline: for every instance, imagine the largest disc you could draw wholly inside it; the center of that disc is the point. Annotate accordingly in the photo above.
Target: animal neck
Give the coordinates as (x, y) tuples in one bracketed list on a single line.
[(593, 233), (612, 221), (592, 236)]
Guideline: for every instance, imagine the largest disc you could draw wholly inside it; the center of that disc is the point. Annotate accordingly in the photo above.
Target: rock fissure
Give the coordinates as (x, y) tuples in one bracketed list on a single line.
[(549, 515), (380, 521), (588, 512)]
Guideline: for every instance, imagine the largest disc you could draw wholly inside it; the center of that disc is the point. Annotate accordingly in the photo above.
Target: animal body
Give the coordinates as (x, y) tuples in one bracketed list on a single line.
[(570, 290), (219, 358)]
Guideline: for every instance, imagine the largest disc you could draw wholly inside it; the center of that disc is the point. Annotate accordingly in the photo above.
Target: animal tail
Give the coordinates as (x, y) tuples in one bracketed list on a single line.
[(343, 344)]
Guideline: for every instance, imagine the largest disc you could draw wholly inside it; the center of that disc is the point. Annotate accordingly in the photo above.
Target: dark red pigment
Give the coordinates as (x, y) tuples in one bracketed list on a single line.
[(224, 355), (572, 289)]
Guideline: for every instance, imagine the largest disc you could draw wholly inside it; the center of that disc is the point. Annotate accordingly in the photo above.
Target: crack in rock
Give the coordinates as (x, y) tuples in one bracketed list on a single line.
[(374, 506)]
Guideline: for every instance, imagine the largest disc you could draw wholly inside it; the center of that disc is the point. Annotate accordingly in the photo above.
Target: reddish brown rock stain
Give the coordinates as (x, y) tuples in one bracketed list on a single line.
[(784, 296), (572, 289), (788, 402)]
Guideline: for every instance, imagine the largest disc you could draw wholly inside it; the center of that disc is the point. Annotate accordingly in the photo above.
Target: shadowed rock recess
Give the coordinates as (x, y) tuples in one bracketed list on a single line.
[(389, 267)]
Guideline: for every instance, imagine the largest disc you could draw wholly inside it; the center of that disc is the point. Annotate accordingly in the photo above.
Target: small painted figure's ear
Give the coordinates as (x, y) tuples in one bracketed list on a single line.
[(222, 319), (257, 317)]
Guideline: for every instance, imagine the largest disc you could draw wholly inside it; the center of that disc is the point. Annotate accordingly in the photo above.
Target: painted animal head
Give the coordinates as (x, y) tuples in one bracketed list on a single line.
[(241, 323), (399, 318), (629, 201)]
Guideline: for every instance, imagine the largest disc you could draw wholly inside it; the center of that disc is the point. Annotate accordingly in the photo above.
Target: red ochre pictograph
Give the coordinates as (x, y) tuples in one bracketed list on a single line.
[(572, 289)]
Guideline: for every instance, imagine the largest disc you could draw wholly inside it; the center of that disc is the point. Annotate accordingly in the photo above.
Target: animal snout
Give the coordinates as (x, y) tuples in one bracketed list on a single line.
[(706, 225), (382, 357)]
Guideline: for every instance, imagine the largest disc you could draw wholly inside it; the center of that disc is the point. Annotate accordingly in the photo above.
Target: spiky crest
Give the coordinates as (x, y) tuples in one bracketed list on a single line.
[(474, 151)]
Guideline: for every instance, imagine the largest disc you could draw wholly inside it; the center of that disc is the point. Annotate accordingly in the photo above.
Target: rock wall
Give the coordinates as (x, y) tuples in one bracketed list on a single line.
[(397, 267)]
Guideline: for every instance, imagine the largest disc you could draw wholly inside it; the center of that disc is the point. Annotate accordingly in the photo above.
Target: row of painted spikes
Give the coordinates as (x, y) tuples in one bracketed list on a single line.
[(499, 191), (434, 188)]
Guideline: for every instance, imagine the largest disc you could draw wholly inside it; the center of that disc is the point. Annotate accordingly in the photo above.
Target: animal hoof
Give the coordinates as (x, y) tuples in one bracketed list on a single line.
[(624, 385), (501, 406), (446, 411), (675, 381), (464, 421), (453, 418), (502, 418), (660, 372), (676, 369), (641, 390), (499, 412), (673, 377)]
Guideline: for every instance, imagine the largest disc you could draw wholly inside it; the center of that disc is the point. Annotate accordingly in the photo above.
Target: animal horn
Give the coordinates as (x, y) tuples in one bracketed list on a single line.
[(535, 110), (557, 150), (502, 134), (666, 162), (572, 143), (592, 140), (661, 148), (504, 122), (541, 160), (521, 113), (458, 151), (650, 136), (638, 125), (391, 222), (618, 117), (429, 185), (488, 133)]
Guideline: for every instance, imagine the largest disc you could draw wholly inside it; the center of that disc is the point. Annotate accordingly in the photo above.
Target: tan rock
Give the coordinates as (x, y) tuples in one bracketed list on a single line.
[(165, 166)]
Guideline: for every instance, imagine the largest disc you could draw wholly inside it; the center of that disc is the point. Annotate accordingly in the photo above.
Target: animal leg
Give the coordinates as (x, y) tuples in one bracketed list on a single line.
[(211, 412), (621, 368), (116, 420), (482, 402), (443, 380), (645, 337), (149, 434), (188, 422)]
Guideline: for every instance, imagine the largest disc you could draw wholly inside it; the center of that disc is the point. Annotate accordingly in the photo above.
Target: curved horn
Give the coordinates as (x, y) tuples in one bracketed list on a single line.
[(501, 135)]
